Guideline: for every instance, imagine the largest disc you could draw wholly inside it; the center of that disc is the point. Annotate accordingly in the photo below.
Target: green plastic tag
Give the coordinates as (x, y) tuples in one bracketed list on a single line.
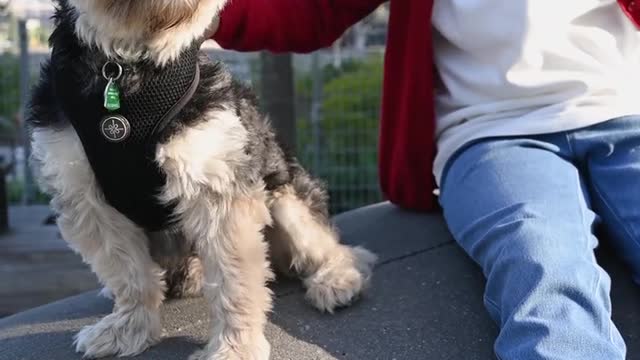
[(112, 96)]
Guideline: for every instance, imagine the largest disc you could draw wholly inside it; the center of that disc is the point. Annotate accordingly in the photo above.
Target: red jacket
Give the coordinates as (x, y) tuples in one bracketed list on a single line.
[(407, 129)]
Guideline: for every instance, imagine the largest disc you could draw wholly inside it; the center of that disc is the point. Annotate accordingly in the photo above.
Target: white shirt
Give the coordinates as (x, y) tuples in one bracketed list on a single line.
[(523, 67)]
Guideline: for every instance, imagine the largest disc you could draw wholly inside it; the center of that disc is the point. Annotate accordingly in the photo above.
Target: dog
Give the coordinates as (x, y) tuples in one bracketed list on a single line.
[(169, 182)]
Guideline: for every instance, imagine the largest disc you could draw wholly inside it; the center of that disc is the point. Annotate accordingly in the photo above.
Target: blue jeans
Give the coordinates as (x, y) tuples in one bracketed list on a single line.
[(524, 209)]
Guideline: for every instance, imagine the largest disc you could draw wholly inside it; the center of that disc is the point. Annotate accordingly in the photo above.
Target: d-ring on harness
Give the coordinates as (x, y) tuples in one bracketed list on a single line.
[(113, 127)]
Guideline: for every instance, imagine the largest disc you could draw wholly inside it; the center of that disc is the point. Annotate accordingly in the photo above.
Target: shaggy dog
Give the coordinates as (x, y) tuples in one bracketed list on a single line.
[(168, 181)]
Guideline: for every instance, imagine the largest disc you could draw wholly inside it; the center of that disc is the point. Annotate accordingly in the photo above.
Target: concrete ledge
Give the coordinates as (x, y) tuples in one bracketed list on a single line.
[(425, 303)]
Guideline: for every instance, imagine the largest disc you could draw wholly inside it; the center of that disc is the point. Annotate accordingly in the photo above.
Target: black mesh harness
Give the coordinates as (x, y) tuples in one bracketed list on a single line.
[(122, 159)]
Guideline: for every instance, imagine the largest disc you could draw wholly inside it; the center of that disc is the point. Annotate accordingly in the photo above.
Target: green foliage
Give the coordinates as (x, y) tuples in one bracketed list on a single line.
[(15, 191), (348, 132), (9, 93), (9, 111)]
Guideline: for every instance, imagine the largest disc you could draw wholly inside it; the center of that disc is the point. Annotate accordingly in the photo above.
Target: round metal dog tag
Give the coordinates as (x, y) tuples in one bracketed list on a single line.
[(115, 128)]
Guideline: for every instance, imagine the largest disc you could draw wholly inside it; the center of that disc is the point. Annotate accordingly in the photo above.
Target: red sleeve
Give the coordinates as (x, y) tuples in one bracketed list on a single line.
[(288, 25)]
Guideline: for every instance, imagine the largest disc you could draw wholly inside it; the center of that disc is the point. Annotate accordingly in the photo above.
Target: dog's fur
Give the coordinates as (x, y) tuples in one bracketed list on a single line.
[(238, 196)]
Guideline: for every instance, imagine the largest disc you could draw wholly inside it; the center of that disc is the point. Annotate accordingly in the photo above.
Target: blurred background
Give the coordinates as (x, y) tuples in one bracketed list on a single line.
[(325, 105)]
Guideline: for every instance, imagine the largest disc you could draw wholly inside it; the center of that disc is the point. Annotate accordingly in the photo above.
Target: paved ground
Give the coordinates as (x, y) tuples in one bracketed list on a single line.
[(425, 303), (36, 265)]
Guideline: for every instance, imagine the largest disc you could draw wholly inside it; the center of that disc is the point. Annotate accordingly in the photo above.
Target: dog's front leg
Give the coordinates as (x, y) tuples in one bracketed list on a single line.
[(117, 252), (115, 248), (230, 243)]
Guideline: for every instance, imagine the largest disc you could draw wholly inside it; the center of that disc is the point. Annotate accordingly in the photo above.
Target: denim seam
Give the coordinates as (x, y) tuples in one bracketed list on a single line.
[(608, 326), (605, 201), (596, 284), (583, 218)]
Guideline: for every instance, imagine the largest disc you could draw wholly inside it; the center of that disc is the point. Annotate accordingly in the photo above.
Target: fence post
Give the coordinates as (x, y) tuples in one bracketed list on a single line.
[(316, 109), (4, 203), (23, 38), (278, 96)]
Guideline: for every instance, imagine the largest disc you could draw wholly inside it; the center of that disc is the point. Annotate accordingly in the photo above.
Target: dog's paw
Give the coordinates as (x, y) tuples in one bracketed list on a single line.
[(260, 349), (122, 334), (340, 280)]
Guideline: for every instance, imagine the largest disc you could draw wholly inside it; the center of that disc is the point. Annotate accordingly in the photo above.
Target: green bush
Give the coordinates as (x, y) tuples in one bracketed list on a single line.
[(15, 192), (9, 93)]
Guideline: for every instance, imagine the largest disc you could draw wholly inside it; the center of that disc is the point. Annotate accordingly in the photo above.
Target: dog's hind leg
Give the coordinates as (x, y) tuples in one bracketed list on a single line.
[(302, 237), (184, 278), (176, 256), (115, 248)]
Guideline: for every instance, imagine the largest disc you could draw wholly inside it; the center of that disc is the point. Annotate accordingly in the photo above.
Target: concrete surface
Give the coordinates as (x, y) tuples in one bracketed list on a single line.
[(36, 265), (425, 303)]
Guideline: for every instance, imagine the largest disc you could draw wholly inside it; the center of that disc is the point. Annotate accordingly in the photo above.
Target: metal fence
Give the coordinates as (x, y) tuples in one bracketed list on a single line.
[(337, 100), (337, 109)]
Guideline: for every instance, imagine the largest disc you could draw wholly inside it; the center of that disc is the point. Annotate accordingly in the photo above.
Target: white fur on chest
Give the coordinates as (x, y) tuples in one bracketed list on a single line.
[(203, 157)]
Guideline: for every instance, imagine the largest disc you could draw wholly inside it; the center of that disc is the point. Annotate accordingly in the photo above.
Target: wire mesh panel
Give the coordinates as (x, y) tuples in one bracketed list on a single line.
[(338, 112), (10, 90), (10, 106), (338, 93), (24, 47)]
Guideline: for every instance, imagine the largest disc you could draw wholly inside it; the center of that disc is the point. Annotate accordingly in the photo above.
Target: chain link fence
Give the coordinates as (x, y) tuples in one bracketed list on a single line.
[(337, 108), (337, 101)]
